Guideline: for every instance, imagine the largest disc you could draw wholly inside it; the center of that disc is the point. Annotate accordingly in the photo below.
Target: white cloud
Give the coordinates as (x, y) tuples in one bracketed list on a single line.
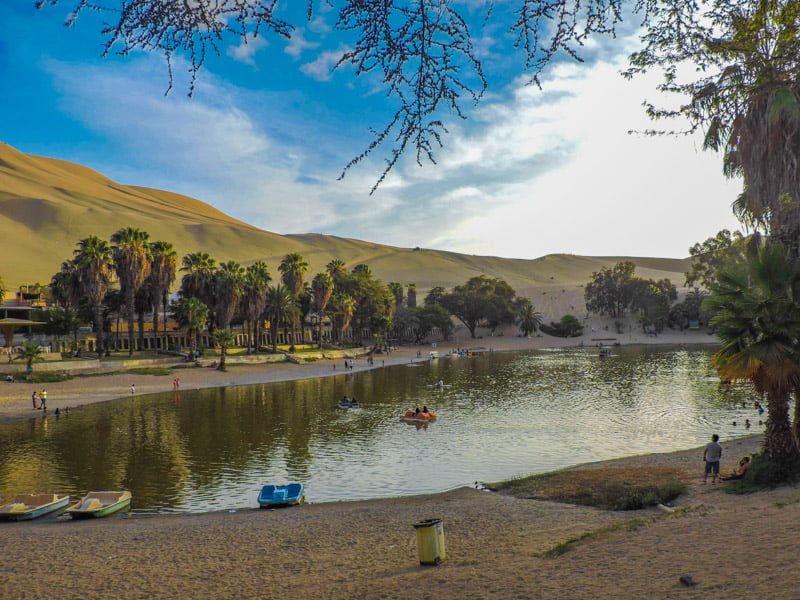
[(321, 68), (246, 50), (297, 44)]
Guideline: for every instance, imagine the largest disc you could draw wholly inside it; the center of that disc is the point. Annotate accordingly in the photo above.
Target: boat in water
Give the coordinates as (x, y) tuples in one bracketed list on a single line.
[(348, 403), (273, 496), (412, 416), (32, 506), (99, 504)]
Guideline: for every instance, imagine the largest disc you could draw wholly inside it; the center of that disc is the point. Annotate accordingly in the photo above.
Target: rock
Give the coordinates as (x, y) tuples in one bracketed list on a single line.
[(687, 580)]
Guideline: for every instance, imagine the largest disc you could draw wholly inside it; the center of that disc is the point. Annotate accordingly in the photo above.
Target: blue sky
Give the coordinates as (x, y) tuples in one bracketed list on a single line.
[(270, 126)]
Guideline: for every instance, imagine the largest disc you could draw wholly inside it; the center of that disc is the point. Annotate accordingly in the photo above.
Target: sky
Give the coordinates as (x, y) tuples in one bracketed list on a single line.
[(270, 126)]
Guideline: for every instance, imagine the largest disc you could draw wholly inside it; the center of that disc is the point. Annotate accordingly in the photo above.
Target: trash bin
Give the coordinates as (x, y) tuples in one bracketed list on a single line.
[(430, 541)]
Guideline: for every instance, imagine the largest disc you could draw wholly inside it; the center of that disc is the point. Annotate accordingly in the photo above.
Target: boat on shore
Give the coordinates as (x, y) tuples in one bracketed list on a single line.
[(273, 496), (99, 504), (32, 506)]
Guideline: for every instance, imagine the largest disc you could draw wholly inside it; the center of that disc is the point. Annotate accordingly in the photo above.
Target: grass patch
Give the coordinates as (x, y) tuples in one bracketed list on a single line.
[(98, 374), (628, 525), (622, 488), (42, 377), (159, 371)]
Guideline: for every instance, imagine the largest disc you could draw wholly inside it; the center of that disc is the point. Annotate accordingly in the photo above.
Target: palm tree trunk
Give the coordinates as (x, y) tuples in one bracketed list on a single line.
[(780, 446), (319, 330), (221, 366), (130, 311), (155, 326), (166, 335), (140, 321), (97, 309)]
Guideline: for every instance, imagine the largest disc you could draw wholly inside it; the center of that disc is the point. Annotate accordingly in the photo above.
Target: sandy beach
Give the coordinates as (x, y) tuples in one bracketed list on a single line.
[(732, 546)]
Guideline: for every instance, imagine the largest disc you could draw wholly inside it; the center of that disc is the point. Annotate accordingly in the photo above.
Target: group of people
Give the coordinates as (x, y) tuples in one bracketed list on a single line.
[(39, 399), (712, 455)]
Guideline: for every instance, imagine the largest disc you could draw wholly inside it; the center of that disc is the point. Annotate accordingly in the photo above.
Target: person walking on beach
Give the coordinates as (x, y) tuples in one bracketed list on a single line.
[(712, 455), (133, 390)]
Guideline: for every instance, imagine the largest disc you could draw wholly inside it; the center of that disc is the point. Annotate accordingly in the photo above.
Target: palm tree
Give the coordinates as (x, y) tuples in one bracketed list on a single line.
[(199, 274), (223, 338), (132, 263), (336, 269), (281, 305), (192, 314), (163, 266), (758, 321), (256, 280), (30, 352), (93, 270), (229, 281), (397, 292), (322, 286), (411, 295), (2, 290), (143, 304), (528, 318), (293, 266), (65, 287)]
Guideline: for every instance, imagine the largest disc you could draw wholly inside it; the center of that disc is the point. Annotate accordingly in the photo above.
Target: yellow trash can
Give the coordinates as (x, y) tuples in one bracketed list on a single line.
[(430, 541)]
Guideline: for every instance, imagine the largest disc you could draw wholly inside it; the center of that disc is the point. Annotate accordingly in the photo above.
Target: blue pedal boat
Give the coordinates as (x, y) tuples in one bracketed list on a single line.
[(272, 496)]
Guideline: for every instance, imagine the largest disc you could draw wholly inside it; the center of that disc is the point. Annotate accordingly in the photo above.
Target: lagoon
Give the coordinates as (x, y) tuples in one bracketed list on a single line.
[(504, 414)]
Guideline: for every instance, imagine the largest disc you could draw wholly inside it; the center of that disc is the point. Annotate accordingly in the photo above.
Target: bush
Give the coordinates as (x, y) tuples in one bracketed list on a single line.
[(568, 326), (42, 377)]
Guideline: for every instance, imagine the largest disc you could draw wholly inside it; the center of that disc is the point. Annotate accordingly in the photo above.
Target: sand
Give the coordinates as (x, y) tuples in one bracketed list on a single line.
[(732, 546)]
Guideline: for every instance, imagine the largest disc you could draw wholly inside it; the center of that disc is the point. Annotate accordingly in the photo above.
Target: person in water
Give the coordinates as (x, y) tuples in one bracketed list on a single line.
[(424, 410), (417, 410)]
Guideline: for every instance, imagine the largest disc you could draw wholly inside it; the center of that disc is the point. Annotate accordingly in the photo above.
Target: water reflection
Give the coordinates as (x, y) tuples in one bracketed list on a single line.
[(504, 414)]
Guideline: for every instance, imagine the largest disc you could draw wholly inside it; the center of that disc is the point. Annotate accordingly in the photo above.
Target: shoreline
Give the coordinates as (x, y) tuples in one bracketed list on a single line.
[(497, 547), (15, 402)]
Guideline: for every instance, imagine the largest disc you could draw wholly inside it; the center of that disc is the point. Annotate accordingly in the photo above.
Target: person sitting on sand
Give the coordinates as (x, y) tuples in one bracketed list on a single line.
[(740, 471)]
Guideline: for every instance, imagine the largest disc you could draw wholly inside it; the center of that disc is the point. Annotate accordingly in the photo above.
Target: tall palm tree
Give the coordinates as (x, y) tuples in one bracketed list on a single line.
[(198, 268), (143, 305), (192, 314), (758, 320), (397, 291), (2, 290), (256, 280), (228, 287), (281, 305), (411, 295), (132, 263), (163, 266), (528, 318), (322, 286), (293, 266), (93, 269), (225, 339)]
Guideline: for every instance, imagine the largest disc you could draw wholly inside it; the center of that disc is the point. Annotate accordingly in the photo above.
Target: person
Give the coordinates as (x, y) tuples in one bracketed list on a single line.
[(417, 410), (747, 423), (35, 400), (425, 410), (740, 471), (712, 455), (133, 389), (43, 399)]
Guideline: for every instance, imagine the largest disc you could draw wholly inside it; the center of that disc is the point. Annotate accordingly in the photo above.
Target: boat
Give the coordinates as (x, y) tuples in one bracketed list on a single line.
[(348, 403), (32, 506), (418, 417), (453, 354), (99, 504), (272, 496)]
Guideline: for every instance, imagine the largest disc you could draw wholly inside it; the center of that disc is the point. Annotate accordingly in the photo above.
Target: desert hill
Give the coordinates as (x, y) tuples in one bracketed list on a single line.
[(47, 205)]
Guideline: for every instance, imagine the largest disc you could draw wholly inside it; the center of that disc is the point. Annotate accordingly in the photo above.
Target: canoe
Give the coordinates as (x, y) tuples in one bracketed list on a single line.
[(272, 496), (32, 506), (99, 504)]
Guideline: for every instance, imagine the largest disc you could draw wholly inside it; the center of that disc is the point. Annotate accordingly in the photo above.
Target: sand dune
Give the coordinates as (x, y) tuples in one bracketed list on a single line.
[(47, 205)]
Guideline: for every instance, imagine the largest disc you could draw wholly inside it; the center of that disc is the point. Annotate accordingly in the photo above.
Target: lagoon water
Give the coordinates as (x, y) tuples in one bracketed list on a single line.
[(505, 414)]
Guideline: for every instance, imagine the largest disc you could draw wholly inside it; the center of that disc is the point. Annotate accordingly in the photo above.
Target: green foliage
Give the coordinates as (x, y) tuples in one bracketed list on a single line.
[(528, 319), (568, 326), (42, 377), (30, 352), (609, 290), (714, 254), (481, 301), (762, 474)]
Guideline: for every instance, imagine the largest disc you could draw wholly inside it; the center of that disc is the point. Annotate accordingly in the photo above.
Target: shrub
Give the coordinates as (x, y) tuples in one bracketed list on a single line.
[(568, 326)]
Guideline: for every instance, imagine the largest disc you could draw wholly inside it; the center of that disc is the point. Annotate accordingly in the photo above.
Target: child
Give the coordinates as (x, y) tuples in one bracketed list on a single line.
[(712, 455)]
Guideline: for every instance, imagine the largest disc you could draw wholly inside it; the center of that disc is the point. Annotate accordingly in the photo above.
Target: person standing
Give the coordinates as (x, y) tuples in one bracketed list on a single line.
[(43, 399), (133, 390), (712, 455), (35, 400)]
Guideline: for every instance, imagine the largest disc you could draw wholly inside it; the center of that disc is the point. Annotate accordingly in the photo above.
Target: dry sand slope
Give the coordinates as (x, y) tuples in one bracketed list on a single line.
[(47, 205)]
